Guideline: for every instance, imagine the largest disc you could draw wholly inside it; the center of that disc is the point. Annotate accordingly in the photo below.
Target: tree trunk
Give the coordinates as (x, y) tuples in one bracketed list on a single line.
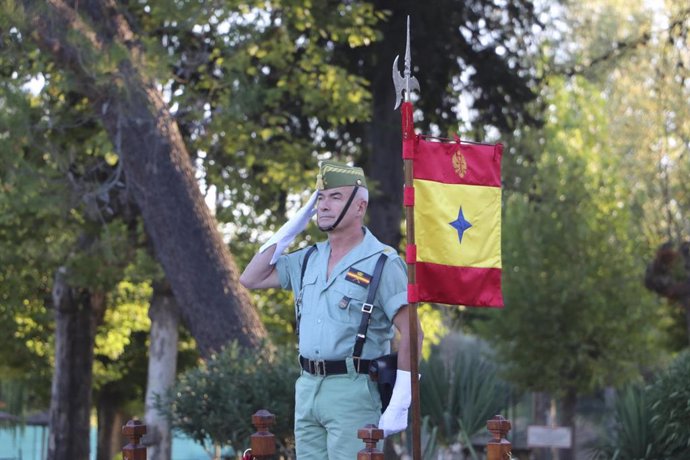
[(540, 411), (384, 141), (568, 405), (77, 312), (110, 421), (686, 305), (158, 170), (162, 366)]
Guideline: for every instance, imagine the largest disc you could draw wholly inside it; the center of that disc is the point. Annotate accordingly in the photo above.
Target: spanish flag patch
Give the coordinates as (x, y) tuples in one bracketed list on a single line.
[(358, 277)]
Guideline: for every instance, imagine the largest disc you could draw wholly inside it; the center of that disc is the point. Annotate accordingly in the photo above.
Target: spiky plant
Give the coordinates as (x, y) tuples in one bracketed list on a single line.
[(460, 389), (670, 395), (632, 436)]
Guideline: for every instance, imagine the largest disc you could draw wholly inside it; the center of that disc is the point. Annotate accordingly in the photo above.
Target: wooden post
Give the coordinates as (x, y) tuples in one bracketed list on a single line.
[(263, 442), (408, 138), (134, 430), (499, 448), (371, 435)]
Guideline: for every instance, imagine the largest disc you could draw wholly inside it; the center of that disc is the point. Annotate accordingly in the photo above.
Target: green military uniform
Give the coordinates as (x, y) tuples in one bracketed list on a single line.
[(329, 409)]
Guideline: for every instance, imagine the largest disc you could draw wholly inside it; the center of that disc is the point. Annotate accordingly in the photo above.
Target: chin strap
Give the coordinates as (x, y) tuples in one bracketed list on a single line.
[(342, 213)]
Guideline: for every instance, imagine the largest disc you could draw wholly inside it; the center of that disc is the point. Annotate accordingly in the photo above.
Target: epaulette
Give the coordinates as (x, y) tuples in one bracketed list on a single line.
[(300, 249)]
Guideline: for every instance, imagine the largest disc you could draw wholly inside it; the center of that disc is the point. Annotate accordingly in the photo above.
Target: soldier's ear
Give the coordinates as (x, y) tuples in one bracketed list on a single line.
[(361, 207)]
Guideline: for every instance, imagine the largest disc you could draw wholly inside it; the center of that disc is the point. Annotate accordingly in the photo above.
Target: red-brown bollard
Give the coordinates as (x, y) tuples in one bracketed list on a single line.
[(134, 430), (370, 434), (263, 442), (499, 448)]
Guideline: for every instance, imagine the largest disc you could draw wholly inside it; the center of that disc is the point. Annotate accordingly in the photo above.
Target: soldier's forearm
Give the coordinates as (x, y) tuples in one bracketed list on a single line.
[(259, 273), (402, 321)]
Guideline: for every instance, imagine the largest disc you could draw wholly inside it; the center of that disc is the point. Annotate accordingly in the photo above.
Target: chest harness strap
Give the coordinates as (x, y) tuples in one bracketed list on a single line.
[(298, 302), (368, 307), (323, 368)]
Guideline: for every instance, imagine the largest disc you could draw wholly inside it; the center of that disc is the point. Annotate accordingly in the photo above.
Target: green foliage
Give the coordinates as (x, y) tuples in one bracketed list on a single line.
[(34, 239), (643, 75), (577, 316), (259, 94), (256, 88), (633, 437), (641, 68), (101, 266), (13, 398), (213, 403), (126, 316), (276, 307), (460, 388), (652, 422), (670, 394)]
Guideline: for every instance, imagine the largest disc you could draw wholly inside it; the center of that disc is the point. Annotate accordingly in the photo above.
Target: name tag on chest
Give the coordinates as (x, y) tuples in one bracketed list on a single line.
[(357, 277)]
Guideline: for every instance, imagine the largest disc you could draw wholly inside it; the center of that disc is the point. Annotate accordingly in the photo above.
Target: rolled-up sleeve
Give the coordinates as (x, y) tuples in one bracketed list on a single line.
[(283, 272), (392, 292), (285, 268), (289, 268)]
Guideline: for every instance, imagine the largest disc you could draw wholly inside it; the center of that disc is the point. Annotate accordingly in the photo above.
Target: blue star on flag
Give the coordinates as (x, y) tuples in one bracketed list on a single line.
[(460, 224)]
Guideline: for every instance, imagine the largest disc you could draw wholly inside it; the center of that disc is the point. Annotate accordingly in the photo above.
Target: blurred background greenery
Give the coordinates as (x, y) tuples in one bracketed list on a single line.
[(589, 98)]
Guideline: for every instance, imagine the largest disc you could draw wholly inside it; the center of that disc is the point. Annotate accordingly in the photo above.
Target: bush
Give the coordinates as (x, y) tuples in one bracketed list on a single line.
[(460, 389), (654, 422), (670, 395), (632, 436), (213, 403)]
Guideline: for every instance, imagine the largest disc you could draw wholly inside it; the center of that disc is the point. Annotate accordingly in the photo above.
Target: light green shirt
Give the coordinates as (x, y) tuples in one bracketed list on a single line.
[(331, 308)]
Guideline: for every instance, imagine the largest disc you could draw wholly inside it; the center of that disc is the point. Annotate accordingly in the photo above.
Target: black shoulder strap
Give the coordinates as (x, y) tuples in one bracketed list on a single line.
[(298, 300), (368, 307), (304, 265)]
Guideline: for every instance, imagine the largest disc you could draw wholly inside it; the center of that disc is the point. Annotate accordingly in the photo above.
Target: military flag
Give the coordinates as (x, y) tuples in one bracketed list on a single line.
[(452, 200), (457, 216)]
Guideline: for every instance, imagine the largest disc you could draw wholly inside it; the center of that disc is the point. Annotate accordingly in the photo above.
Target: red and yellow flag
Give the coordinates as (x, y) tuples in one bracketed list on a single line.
[(457, 215)]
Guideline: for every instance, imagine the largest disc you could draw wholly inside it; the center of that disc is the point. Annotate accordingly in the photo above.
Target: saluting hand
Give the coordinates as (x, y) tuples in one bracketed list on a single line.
[(284, 236)]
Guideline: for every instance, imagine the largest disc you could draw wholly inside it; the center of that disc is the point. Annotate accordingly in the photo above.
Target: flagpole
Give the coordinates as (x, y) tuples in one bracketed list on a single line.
[(403, 86), (412, 310)]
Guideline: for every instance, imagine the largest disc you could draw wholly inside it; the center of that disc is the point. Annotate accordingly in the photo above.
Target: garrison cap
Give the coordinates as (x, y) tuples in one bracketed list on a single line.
[(333, 174)]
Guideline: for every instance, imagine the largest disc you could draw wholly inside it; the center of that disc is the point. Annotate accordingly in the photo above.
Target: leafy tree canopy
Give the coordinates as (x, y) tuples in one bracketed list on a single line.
[(576, 313)]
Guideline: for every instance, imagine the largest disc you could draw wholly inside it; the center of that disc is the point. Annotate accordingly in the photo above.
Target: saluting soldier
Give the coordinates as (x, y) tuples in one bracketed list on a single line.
[(334, 396)]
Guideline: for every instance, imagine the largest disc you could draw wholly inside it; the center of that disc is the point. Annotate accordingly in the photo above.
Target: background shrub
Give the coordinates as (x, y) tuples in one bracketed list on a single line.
[(213, 403), (670, 396), (460, 389), (632, 436)]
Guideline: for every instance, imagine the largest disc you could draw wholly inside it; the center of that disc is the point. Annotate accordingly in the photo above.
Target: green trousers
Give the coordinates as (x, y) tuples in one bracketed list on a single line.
[(329, 411)]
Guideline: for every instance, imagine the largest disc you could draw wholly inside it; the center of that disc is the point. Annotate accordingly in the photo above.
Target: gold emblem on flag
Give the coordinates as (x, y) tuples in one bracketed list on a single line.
[(459, 163)]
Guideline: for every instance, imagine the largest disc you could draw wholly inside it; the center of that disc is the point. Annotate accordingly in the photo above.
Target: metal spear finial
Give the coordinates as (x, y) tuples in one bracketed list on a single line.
[(404, 85)]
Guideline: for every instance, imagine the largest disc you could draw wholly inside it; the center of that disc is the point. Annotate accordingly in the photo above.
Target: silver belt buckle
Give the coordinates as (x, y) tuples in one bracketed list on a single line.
[(317, 367)]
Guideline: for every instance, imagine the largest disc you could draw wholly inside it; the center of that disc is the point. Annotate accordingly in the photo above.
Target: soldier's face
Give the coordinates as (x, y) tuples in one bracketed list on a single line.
[(331, 203)]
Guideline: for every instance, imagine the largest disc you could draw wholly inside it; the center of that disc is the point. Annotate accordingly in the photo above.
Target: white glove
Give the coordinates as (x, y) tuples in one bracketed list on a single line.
[(394, 418), (290, 229)]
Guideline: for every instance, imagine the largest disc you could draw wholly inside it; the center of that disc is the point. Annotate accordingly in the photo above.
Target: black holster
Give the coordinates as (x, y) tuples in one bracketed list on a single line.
[(383, 371)]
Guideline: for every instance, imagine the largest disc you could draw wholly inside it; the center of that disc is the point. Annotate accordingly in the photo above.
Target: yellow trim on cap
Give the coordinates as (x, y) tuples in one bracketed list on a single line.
[(348, 170)]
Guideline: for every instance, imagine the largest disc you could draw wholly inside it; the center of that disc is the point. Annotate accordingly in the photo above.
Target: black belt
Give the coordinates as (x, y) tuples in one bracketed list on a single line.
[(324, 368)]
